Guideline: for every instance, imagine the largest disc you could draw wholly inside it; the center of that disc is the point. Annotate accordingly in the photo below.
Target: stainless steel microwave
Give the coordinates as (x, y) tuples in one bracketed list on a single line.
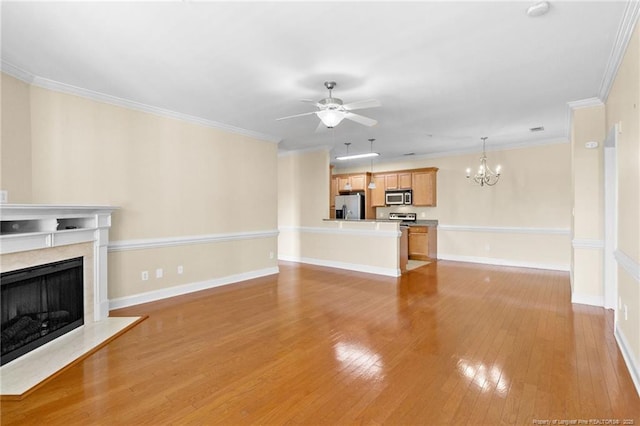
[(397, 197)]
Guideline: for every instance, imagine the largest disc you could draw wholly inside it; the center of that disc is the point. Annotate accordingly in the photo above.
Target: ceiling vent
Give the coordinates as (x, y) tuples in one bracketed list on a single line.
[(537, 129), (410, 153)]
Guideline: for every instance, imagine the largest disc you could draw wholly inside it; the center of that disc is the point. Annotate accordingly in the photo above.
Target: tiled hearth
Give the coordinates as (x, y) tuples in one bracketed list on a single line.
[(39, 234)]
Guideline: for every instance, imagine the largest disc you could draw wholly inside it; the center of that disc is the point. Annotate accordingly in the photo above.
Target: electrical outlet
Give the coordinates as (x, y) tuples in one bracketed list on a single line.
[(423, 214), (270, 255), (4, 196), (180, 270), (487, 247), (145, 275), (159, 273)]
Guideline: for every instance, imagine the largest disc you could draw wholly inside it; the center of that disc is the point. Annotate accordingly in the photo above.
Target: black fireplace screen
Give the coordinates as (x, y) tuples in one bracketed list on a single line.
[(39, 304)]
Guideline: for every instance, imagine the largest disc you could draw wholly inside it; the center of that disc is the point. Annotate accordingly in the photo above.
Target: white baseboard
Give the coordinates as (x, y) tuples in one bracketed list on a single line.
[(504, 262), (627, 354), (587, 299), (152, 296), (390, 272)]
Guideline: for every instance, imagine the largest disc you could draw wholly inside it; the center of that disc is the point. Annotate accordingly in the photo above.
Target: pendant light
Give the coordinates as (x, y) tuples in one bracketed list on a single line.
[(372, 184), (347, 187)]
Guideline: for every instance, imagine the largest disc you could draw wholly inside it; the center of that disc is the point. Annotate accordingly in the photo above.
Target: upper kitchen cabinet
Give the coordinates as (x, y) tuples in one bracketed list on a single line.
[(391, 181), (358, 182), (405, 181), (399, 180), (424, 187)]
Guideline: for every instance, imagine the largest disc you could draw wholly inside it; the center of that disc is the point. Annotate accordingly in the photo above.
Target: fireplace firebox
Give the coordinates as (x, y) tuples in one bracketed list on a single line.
[(39, 304)]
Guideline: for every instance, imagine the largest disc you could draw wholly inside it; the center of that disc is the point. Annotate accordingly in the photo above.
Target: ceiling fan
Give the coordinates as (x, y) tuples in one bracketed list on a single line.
[(332, 111)]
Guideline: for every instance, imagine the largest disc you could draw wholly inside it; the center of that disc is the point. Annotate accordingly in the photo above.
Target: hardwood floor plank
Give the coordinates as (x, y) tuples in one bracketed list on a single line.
[(448, 343)]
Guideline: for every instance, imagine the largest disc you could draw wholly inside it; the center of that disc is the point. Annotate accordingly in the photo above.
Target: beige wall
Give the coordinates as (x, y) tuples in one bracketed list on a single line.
[(15, 140), (588, 125), (533, 199), (303, 188), (172, 180), (623, 108)]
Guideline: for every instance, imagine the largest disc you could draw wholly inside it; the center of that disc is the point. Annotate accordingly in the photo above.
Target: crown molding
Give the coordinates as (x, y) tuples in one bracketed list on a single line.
[(585, 103), (57, 86), (581, 103), (16, 72), (625, 31)]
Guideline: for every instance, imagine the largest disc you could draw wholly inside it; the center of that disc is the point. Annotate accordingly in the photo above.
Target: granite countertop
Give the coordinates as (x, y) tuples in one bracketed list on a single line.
[(425, 223)]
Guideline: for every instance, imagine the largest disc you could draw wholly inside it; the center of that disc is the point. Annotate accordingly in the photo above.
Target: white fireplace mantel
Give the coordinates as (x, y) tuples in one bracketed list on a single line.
[(28, 227)]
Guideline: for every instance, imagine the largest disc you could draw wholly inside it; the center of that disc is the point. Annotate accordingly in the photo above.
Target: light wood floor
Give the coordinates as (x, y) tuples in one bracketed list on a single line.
[(449, 343)]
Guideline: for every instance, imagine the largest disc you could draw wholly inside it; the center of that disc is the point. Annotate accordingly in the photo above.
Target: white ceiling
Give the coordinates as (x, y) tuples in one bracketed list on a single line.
[(446, 73)]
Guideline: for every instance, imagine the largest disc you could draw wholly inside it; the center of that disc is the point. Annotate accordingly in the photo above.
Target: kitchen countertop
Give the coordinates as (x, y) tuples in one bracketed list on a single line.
[(357, 220), (424, 223), (416, 223)]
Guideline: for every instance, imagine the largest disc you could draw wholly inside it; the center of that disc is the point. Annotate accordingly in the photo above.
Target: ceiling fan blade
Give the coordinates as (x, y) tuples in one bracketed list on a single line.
[(370, 103), (297, 115), (321, 127), (360, 119)]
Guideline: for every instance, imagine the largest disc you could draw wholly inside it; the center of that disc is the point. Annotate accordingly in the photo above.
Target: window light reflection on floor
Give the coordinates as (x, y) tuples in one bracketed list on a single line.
[(360, 360), (486, 378)]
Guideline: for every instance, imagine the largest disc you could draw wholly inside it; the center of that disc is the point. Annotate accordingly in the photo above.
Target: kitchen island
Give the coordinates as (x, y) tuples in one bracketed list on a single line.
[(371, 246), (377, 246)]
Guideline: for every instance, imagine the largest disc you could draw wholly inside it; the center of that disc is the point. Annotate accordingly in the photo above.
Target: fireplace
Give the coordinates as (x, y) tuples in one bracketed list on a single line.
[(39, 304)]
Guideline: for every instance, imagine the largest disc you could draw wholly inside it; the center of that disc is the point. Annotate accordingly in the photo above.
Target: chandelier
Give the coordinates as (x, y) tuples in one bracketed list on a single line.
[(484, 176)]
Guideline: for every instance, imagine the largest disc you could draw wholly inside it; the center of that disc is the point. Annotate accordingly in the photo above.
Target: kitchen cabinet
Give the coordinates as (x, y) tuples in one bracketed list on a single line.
[(333, 191), (405, 180), (391, 181), (424, 187), (343, 181), (422, 243), (357, 182), (397, 181), (377, 195)]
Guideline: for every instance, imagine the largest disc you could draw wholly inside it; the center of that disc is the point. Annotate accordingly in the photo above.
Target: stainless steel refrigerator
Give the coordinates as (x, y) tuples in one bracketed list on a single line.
[(350, 207)]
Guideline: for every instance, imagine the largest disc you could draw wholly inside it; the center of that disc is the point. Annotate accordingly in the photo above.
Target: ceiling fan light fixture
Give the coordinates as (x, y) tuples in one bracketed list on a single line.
[(538, 9), (330, 117)]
